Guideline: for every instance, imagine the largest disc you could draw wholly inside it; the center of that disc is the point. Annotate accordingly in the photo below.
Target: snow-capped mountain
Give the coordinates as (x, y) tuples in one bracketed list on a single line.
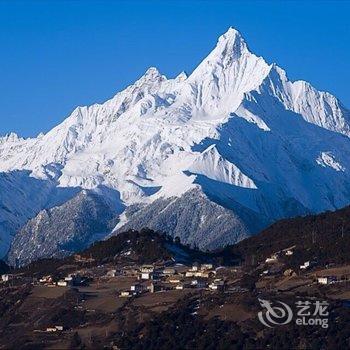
[(236, 132)]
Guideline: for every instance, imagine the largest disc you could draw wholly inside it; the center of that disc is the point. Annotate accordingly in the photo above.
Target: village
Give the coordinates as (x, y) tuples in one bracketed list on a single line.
[(88, 290), (144, 278), (303, 277), (94, 294), (134, 280), (106, 287)]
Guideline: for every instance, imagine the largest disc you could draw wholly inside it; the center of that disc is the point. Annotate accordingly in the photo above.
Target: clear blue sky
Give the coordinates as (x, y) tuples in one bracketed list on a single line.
[(55, 55)]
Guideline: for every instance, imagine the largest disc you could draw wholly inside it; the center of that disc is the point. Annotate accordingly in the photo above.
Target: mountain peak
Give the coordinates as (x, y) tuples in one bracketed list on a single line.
[(231, 33), (10, 137), (152, 72), (230, 44), (227, 52), (151, 76)]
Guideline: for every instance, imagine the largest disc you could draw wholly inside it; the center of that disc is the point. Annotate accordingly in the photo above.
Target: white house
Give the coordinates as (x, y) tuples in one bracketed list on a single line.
[(45, 279), (271, 259), (168, 271), (322, 280), (206, 266), (137, 288), (146, 275), (190, 273), (205, 274), (326, 279), (62, 283), (51, 329), (213, 286), (195, 267), (305, 266), (147, 268), (5, 277), (174, 280)]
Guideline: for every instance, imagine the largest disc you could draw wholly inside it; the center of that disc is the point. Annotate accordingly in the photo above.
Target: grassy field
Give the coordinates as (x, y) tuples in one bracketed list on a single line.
[(229, 312), (48, 292), (163, 298)]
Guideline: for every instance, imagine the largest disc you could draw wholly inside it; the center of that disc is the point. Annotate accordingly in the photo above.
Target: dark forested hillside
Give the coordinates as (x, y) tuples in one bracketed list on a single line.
[(147, 245), (325, 237), (3, 267)]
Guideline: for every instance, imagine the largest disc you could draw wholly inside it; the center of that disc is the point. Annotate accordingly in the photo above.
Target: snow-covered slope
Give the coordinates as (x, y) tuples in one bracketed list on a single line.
[(236, 129), (63, 230)]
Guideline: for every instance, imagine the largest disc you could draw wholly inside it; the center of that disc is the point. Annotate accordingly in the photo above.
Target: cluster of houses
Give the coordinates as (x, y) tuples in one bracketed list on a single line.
[(69, 281), (274, 257), (177, 277), (307, 265), (326, 279), (150, 272), (336, 277), (54, 329), (149, 278), (288, 252)]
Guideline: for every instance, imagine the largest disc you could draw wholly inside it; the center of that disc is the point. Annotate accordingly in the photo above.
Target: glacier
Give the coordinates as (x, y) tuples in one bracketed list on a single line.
[(236, 132)]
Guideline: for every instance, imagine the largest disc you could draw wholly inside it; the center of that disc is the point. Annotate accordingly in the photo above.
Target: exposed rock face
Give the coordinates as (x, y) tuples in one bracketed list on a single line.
[(193, 218)]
